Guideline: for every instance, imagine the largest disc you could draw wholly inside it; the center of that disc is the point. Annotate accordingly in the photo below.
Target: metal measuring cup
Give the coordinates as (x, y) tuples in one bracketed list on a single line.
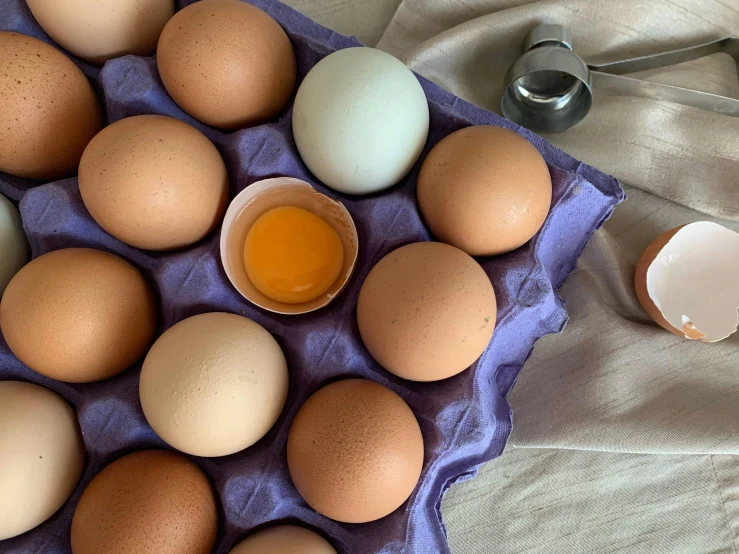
[(550, 88)]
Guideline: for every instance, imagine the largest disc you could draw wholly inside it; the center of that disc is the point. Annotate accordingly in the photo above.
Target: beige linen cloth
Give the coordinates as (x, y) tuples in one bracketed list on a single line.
[(626, 438)]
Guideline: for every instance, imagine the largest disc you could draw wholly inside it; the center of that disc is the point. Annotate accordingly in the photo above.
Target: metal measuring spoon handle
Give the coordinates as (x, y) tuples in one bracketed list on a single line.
[(549, 88), (609, 76)]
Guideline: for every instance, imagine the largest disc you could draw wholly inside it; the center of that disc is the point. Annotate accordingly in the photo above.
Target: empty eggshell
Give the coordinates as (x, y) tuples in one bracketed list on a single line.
[(227, 63), (48, 110), (98, 31), (13, 244), (426, 311), (355, 451), (360, 120), (213, 384), (154, 182), (41, 455), (78, 315), (686, 280), (485, 190), (284, 539), (146, 502), (262, 196)]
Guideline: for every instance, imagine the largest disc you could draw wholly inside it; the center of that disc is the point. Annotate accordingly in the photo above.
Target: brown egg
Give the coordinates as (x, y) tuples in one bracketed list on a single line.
[(485, 190), (78, 315), (426, 311), (98, 31), (154, 182), (355, 451), (151, 501), (284, 539), (640, 282), (227, 63), (41, 455), (48, 110)]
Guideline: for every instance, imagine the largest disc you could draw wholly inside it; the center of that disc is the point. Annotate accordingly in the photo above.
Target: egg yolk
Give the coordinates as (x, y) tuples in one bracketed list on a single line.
[(291, 255)]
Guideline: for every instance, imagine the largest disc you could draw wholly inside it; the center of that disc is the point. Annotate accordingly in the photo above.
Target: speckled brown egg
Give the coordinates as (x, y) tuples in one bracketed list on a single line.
[(426, 311), (151, 501), (78, 315), (226, 63), (284, 539), (355, 451), (98, 31), (48, 110), (485, 190), (154, 182)]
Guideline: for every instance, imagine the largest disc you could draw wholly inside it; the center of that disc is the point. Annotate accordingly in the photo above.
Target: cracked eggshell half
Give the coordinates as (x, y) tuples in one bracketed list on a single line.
[(686, 280), (263, 196)]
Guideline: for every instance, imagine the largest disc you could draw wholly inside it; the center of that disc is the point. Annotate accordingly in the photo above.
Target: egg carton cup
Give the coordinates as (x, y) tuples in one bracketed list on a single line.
[(465, 420)]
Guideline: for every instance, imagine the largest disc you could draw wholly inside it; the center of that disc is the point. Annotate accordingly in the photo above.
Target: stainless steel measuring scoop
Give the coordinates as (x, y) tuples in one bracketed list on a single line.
[(550, 88)]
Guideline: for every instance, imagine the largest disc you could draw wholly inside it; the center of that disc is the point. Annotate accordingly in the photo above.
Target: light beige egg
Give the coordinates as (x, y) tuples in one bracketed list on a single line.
[(98, 31), (485, 190), (227, 63), (355, 451), (41, 455), (284, 539), (154, 182), (48, 110), (426, 311), (78, 315), (213, 384), (152, 502)]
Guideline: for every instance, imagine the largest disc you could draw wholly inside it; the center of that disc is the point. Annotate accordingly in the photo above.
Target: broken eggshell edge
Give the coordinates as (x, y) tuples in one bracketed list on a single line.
[(262, 196), (646, 295)]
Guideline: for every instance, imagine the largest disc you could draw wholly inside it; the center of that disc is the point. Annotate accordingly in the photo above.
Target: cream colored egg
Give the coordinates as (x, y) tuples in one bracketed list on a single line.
[(98, 31), (213, 384), (41, 455)]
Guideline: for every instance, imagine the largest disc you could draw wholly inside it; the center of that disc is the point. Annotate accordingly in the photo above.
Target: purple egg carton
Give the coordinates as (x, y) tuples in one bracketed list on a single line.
[(465, 420)]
